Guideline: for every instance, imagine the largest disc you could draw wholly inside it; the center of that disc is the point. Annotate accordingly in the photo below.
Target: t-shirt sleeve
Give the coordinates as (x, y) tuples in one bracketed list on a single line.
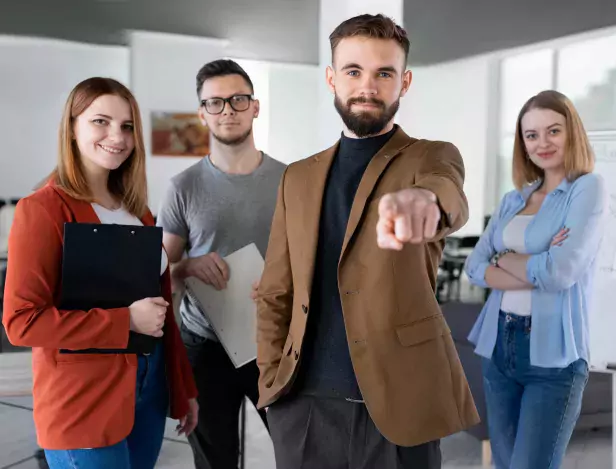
[(172, 213)]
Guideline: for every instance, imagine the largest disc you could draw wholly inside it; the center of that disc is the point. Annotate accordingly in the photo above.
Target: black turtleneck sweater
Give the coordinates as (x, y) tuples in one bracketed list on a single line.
[(326, 369)]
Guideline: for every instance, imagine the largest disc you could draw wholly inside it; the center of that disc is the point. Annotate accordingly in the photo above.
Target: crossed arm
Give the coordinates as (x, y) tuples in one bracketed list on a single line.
[(511, 271), (570, 254)]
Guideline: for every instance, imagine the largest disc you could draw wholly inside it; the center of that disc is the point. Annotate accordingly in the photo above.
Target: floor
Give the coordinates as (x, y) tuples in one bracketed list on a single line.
[(588, 449)]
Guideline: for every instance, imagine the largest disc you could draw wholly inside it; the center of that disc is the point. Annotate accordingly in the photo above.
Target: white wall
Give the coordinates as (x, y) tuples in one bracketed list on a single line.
[(163, 71), (37, 76), (293, 108), (450, 102)]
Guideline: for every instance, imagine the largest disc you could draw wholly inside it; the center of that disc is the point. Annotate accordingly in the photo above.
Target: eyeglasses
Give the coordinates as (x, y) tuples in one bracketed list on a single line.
[(238, 102)]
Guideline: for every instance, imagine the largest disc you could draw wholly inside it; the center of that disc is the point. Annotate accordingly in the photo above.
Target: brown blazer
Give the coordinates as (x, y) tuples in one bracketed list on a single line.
[(80, 401), (401, 347)]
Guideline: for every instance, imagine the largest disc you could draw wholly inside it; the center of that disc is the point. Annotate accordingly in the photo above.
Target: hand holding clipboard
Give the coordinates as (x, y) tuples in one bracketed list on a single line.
[(147, 316), (115, 266)]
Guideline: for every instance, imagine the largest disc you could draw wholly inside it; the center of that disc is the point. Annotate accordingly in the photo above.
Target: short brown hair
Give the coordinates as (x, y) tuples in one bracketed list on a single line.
[(128, 182), (579, 157), (373, 26)]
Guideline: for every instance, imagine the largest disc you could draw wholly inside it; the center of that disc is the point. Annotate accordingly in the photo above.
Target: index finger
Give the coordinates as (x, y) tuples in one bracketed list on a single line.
[(385, 236)]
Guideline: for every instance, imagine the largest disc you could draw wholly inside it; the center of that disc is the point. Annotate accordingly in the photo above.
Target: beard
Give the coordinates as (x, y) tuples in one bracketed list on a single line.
[(233, 141), (369, 123)]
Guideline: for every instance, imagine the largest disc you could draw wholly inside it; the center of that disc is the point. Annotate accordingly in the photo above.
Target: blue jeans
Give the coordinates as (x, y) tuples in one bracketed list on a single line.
[(531, 410), (140, 449)]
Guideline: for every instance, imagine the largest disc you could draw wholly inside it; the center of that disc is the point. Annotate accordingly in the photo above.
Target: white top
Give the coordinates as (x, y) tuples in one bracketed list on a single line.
[(516, 301), (122, 216)]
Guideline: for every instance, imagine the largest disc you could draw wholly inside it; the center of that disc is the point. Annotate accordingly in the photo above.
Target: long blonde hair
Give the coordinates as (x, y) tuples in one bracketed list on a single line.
[(128, 182), (579, 157)]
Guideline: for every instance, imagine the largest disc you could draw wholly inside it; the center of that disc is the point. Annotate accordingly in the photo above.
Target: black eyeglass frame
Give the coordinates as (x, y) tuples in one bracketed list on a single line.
[(227, 101)]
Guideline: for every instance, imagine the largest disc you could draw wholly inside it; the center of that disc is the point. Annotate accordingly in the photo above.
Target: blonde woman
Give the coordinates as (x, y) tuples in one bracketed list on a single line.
[(537, 255)]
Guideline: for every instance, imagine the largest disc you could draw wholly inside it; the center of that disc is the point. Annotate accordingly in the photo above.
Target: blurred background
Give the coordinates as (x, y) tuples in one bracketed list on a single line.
[(474, 64)]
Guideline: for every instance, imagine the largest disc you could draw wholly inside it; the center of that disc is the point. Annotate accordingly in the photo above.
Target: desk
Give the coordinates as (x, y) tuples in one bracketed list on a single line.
[(459, 252), (453, 265)]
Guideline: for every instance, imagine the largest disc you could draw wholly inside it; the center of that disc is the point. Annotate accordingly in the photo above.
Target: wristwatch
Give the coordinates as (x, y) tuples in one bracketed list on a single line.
[(498, 255)]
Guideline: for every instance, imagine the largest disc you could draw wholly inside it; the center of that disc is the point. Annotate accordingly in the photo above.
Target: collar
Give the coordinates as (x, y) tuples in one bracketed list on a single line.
[(527, 191)]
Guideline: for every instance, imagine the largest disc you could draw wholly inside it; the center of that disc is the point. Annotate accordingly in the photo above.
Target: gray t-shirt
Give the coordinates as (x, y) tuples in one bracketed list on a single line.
[(219, 212)]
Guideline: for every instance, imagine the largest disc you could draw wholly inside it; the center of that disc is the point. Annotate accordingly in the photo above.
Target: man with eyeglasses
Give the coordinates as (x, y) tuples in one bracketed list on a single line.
[(217, 206)]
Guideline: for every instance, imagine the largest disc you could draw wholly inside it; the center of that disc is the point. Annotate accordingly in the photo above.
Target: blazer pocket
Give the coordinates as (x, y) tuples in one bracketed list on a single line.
[(69, 358), (422, 331)]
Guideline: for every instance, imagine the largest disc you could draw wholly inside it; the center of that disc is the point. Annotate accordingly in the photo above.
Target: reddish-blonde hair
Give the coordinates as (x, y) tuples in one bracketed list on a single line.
[(128, 182), (579, 157)]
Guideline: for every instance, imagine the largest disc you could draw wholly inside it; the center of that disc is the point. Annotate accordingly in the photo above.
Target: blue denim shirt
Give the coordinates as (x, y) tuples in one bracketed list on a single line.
[(562, 275)]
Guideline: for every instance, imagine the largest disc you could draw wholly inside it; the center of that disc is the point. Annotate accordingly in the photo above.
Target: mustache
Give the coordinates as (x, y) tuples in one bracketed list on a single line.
[(364, 100)]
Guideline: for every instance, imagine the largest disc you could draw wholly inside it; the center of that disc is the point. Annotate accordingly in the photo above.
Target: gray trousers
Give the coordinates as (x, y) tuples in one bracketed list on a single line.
[(320, 433)]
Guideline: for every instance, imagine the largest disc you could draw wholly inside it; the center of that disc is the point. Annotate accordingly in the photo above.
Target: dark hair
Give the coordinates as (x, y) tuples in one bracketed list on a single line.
[(221, 68), (373, 26)]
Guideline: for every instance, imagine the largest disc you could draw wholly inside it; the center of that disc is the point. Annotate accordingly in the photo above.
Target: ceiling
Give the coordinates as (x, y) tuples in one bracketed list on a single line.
[(443, 30), (287, 30)]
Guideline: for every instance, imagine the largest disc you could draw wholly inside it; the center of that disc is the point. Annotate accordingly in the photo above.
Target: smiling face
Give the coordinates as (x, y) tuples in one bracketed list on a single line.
[(545, 137), (104, 133), (368, 79)]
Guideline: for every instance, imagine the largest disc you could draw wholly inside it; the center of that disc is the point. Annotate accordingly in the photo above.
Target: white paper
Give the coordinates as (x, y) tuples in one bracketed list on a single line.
[(231, 312)]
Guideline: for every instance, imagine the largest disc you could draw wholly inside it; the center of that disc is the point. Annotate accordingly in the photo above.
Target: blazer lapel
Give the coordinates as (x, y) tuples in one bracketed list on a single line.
[(311, 203), (148, 219), (375, 169), (82, 211)]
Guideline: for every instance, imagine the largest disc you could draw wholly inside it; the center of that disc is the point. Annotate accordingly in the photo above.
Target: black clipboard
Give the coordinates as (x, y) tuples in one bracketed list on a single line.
[(111, 266)]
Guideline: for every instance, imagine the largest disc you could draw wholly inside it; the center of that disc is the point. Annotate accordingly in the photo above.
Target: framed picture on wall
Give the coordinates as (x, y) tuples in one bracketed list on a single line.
[(179, 134)]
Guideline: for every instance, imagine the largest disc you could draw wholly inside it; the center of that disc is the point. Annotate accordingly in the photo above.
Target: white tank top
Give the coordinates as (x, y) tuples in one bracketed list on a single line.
[(122, 216), (516, 301)]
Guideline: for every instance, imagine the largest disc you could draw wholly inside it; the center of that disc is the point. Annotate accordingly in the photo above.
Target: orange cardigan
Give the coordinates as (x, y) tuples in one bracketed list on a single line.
[(80, 401)]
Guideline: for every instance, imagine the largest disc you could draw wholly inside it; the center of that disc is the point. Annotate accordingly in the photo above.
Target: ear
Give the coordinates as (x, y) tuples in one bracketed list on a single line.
[(201, 113), (257, 108), (330, 78), (406, 82)]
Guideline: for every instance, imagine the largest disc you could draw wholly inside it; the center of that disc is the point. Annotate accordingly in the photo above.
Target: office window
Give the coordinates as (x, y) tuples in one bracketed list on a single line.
[(521, 77), (587, 75), (506, 164)]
